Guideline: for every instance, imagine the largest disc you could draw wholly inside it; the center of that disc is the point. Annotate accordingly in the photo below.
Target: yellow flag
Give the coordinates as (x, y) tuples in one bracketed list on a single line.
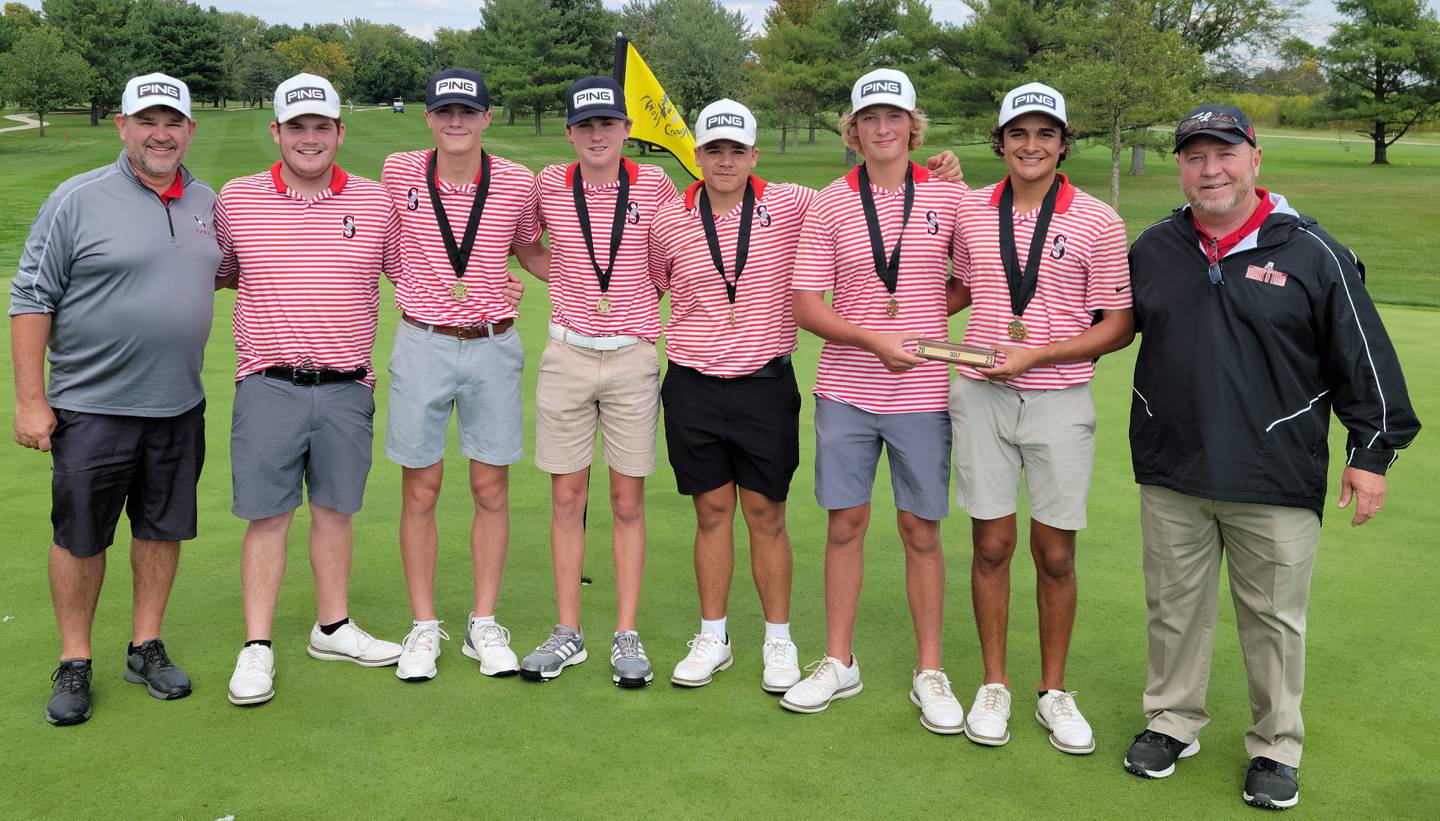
[(655, 119)]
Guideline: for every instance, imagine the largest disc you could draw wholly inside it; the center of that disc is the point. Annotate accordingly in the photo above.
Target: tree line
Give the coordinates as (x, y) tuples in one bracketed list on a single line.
[(1125, 66)]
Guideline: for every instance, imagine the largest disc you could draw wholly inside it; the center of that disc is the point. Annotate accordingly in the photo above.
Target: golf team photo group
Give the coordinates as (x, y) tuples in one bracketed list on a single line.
[(672, 314)]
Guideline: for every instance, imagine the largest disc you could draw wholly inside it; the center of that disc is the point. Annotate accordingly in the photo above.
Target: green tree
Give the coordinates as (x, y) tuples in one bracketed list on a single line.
[(1383, 65), (697, 48), (95, 30), (39, 73), (1119, 75), (529, 63), (180, 39), (241, 34), (258, 73), (388, 61), (15, 20), (305, 52)]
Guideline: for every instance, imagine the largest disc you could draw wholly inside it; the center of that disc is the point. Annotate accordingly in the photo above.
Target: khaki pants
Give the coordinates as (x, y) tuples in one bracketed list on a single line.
[(1270, 552)]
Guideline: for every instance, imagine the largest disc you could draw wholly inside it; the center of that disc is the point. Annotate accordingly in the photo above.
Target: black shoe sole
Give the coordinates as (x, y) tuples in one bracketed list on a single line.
[(631, 683), (1264, 802), (135, 678), (532, 675), (58, 722)]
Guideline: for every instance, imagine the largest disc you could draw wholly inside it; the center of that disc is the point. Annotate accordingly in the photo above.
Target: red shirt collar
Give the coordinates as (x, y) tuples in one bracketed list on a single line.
[(478, 171), (1226, 243), (922, 174), (626, 164), (338, 178), (176, 189), (692, 194), (1063, 198)]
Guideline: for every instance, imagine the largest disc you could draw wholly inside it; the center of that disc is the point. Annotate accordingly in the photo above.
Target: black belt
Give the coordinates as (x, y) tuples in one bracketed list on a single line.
[(776, 367), (313, 376)]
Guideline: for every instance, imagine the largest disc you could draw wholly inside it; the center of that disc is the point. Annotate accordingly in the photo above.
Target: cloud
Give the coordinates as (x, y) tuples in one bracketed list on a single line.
[(423, 31), (430, 5)]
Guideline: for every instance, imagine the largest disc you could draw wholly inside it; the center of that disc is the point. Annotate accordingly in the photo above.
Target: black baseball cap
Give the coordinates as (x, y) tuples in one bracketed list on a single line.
[(456, 86), (1223, 122), (594, 97)]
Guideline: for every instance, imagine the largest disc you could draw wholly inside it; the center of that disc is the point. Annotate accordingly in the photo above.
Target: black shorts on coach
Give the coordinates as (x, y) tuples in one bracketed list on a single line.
[(146, 466), (744, 430)]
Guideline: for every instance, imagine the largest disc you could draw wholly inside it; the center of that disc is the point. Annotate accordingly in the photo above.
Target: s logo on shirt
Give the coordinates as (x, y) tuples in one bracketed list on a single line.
[(932, 221), (347, 226), (412, 199), (633, 214), (764, 214), (1057, 247)]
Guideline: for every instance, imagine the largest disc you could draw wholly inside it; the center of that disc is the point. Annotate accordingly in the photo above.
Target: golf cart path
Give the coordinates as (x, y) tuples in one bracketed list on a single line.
[(28, 120)]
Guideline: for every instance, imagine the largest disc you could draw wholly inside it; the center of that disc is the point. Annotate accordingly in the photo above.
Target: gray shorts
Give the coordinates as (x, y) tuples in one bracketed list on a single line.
[(1000, 431), (847, 449), (283, 435), (431, 373)]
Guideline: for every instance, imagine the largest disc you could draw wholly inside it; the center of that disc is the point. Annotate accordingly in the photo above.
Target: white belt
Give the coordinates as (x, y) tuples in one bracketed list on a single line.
[(594, 343)]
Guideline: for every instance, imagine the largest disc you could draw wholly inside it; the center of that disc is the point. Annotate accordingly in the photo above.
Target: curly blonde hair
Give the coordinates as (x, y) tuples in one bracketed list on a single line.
[(849, 131)]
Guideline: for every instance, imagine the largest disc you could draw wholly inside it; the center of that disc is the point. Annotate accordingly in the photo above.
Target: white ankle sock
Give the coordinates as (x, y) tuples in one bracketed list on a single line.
[(777, 631), (482, 619), (427, 623), (717, 626)]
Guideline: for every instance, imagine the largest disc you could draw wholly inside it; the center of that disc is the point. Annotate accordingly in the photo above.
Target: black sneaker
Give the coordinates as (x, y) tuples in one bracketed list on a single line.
[(70, 697), (1153, 754), (148, 665), (1271, 785)]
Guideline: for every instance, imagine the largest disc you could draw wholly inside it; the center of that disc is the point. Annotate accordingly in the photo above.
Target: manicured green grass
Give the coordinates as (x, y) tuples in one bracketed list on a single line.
[(341, 741)]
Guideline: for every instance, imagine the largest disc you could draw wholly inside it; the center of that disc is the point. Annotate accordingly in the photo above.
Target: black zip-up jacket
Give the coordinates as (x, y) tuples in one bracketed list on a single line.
[(1234, 381)]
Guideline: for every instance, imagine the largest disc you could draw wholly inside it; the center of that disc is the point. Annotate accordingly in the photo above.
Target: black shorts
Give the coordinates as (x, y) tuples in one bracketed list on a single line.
[(147, 466), (744, 430)]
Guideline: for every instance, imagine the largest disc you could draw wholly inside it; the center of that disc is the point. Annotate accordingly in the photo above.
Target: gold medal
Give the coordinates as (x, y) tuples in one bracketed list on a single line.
[(893, 308), (732, 317), (458, 291), (603, 306), (1017, 330)]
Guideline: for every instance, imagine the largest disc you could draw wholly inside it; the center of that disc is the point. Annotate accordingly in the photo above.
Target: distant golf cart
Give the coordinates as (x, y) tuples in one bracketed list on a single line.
[(398, 106)]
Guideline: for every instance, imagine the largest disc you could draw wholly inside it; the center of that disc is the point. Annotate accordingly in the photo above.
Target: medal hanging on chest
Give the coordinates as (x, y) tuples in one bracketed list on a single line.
[(459, 255), (887, 270), (742, 242), (1022, 281), (604, 305)]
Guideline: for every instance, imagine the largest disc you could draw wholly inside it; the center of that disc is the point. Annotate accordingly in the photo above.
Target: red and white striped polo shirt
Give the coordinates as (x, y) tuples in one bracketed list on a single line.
[(699, 334), (1084, 270), (508, 218), (574, 287), (835, 256), (309, 269)]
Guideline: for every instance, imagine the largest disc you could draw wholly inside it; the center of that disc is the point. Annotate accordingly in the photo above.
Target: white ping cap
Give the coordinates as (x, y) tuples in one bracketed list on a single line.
[(725, 120), (883, 86), (306, 94), (155, 89), (1033, 97)]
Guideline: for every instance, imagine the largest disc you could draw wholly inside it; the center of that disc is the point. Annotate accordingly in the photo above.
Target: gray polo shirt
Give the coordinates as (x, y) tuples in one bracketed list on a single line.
[(129, 277)]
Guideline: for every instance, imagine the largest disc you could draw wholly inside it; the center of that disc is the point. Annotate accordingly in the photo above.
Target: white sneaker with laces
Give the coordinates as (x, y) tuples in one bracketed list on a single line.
[(350, 643), (419, 651), (709, 654), (940, 711), (782, 666), (253, 681), (989, 722), (1069, 731), (829, 679), (489, 644)]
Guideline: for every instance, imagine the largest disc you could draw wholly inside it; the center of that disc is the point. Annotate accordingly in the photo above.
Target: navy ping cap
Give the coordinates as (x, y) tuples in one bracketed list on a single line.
[(594, 97), (457, 86)]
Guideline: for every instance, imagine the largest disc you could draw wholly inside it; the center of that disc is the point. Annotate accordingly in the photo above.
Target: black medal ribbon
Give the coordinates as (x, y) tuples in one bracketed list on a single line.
[(1022, 282), (459, 254), (617, 228), (888, 271), (742, 242)]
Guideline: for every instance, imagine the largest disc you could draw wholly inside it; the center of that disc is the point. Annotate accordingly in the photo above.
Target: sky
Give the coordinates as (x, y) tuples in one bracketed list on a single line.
[(422, 17)]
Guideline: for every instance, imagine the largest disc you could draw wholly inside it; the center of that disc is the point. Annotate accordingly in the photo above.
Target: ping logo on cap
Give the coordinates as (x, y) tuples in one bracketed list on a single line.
[(1033, 98), (880, 87), (295, 95), (158, 89), (725, 121), (453, 85), (594, 96)]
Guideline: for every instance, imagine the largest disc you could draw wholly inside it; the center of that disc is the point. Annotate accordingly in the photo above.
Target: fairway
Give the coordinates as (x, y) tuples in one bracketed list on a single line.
[(340, 741)]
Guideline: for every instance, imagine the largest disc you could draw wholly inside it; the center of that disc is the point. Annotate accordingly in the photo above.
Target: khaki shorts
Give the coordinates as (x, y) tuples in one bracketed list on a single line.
[(1000, 431), (580, 391)]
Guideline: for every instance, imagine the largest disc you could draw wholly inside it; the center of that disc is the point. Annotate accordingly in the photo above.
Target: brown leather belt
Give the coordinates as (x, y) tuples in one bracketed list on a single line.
[(462, 331)]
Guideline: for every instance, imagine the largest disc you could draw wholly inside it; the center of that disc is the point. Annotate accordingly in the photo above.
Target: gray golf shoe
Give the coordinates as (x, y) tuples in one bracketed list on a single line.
[(628, 664), (563, 648)]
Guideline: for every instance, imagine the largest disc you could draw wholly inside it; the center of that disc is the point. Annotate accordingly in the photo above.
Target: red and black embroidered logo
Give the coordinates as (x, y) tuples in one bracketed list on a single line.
[(347, 226), (412, 199)]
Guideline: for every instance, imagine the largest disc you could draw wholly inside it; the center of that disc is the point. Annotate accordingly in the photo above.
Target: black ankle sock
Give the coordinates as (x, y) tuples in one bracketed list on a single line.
[(329, 629), (261, 642)]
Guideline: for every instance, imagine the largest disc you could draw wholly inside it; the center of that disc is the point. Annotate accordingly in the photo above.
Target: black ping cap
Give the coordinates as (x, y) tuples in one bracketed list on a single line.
[(1223, 122), (457, 86), (594, 97)]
